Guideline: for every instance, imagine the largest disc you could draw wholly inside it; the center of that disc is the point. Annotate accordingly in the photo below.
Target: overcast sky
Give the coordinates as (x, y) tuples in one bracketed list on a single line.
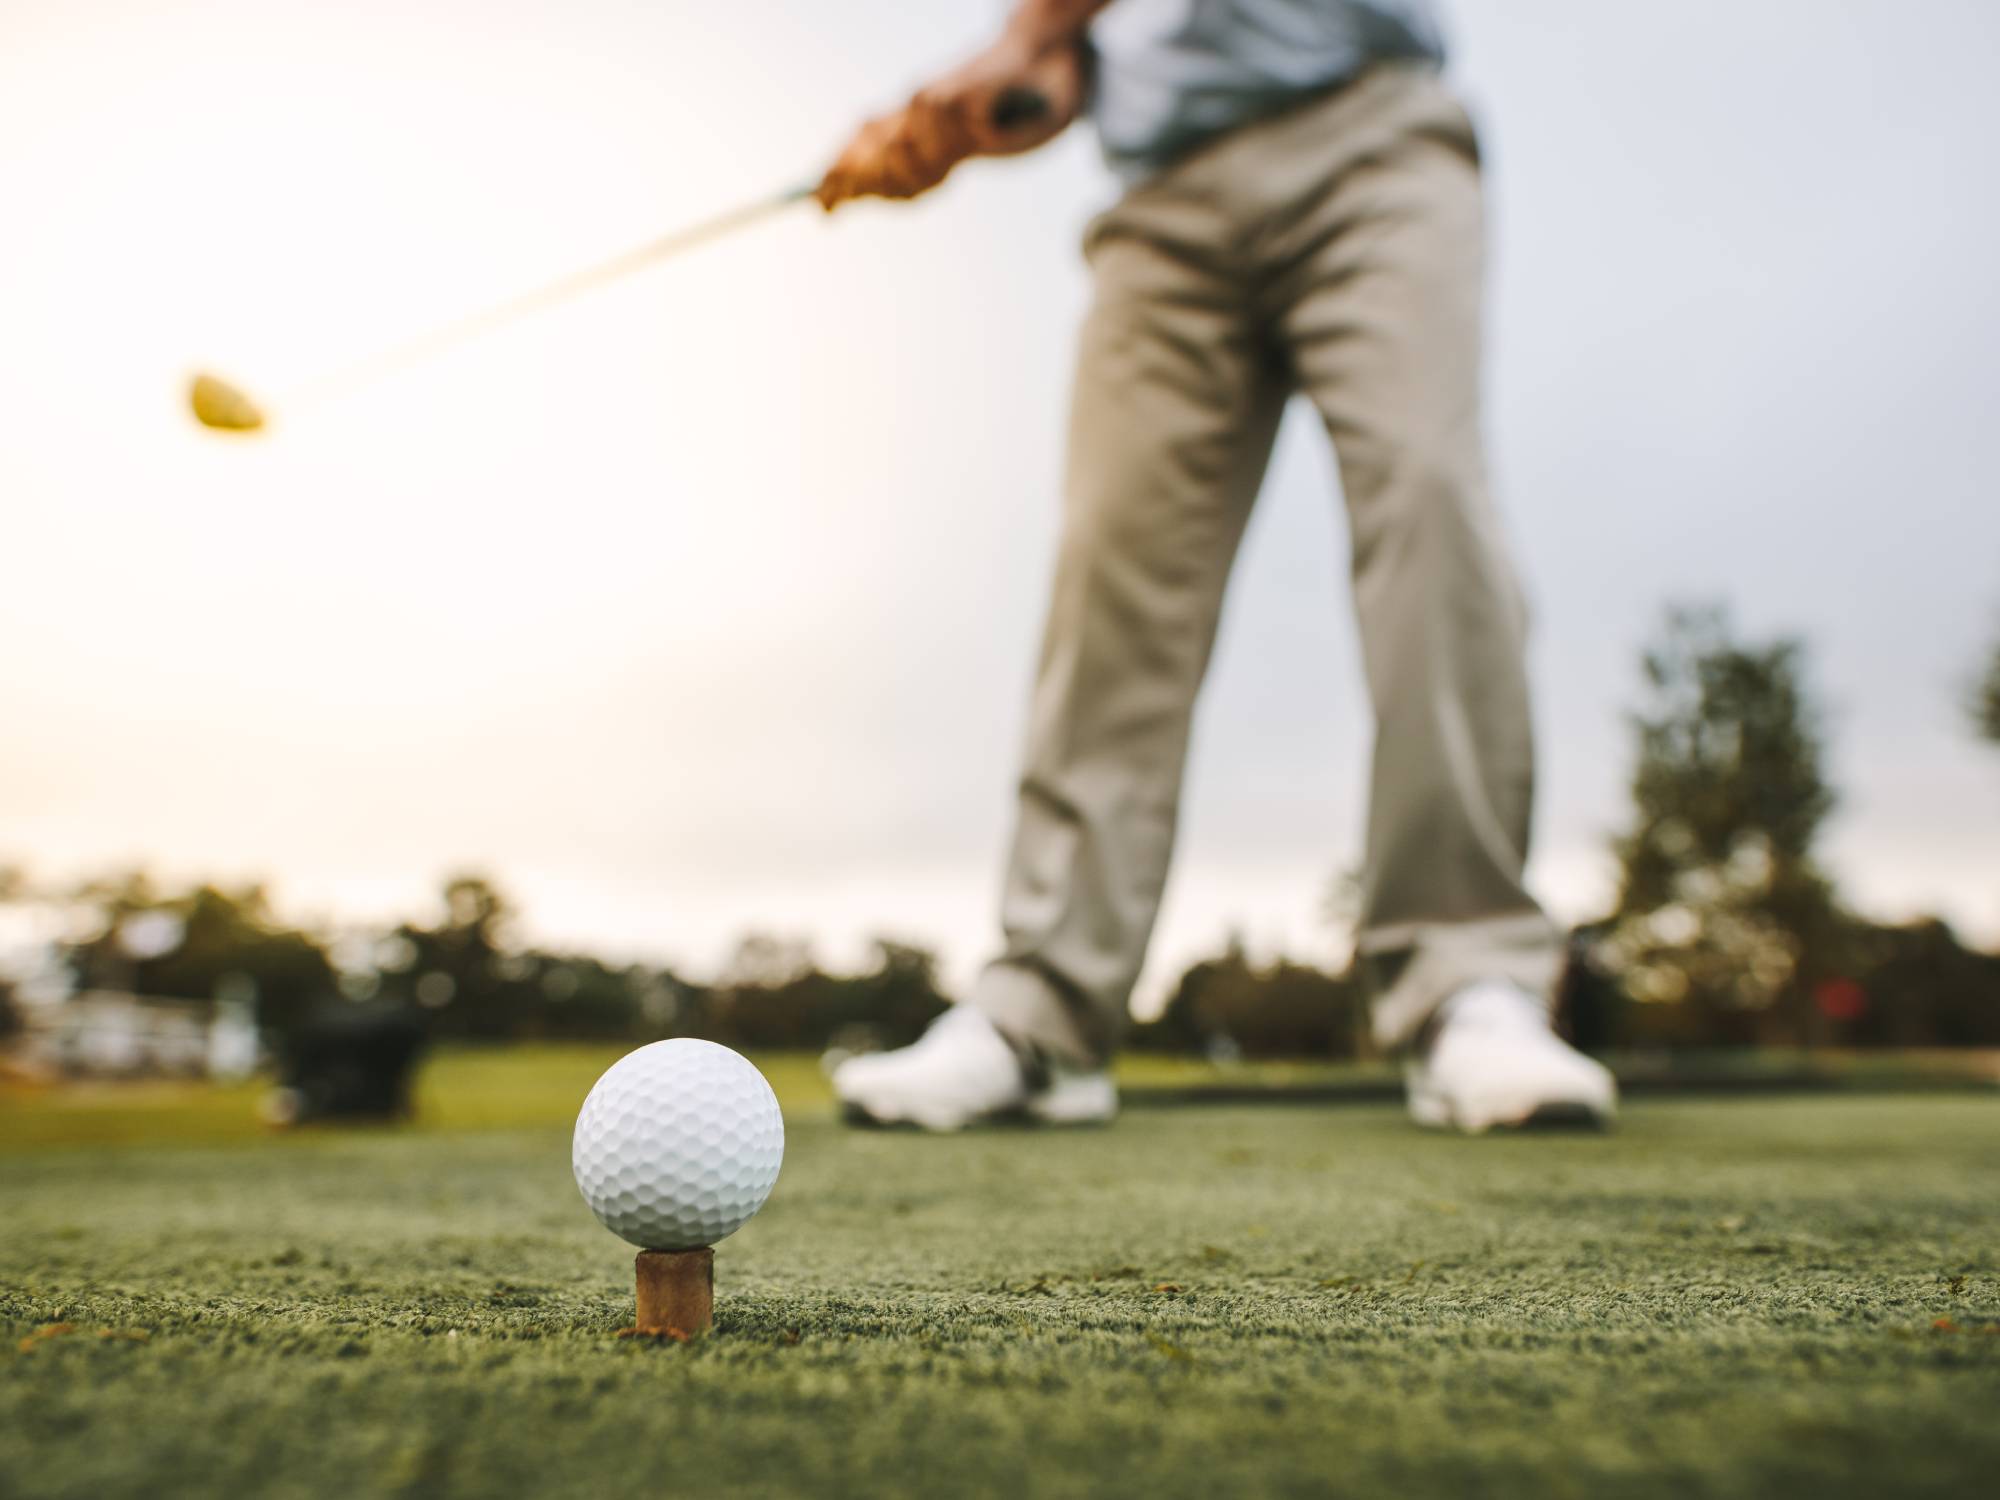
[(710, 602)]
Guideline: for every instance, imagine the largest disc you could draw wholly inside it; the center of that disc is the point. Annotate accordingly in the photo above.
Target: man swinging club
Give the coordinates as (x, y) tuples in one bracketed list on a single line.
[(1302, 212)]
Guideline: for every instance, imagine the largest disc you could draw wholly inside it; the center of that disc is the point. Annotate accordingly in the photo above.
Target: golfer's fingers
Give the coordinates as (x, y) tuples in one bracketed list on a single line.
[(896, 156), (935, 127), (919, 156), (876, 170), (902, 174), (853, 170), (837, 186)]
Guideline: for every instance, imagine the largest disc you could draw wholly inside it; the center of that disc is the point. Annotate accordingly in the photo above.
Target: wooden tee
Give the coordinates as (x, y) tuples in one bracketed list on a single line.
[(676, 1292)]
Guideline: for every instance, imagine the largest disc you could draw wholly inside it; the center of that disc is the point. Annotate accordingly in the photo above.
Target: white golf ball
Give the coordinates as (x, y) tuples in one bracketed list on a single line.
[(678, 1144)]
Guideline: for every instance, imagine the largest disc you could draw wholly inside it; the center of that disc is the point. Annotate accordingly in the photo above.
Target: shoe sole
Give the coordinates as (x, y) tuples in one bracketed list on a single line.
[(1561, 1117), (1569, 1115)]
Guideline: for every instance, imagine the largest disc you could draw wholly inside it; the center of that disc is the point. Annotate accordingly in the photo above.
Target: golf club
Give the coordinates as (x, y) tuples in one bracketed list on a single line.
[(224, 407)]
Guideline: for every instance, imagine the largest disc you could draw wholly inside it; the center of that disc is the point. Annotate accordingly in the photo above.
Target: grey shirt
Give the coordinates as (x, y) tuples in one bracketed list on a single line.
[(1174, 73)]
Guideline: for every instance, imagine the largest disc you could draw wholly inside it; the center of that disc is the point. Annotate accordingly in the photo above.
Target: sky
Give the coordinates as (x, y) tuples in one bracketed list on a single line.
[(709, 603)]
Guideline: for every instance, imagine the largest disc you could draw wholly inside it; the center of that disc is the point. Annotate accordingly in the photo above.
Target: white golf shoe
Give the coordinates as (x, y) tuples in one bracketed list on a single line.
[(1493, 1061), (962, 1071)]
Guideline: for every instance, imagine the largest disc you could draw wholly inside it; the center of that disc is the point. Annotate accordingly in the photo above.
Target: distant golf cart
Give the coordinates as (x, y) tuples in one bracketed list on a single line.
[(348, 1062)]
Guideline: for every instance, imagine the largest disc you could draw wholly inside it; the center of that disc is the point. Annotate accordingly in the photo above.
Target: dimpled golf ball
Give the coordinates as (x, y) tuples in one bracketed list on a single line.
[(678, 1145)]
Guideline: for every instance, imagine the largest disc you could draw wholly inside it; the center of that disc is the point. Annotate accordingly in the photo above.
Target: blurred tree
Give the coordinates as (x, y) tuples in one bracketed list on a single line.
[(772, 994), (1591, 1006), (1986, 699), (583, 996), (899, 997), (475, 908), (1913, 985), (1723, 911), (206, 943), (766, 961), (1227, 1006), (13, 887), (460, 970)]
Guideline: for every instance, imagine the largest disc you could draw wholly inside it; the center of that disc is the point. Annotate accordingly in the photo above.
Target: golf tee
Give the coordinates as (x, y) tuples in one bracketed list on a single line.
[(676, 1292)]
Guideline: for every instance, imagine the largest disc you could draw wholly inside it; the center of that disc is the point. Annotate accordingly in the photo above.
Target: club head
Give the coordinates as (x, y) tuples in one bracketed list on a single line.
[(221, 407)]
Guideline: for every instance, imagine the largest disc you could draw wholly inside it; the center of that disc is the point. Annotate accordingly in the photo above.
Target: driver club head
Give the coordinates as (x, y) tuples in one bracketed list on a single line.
[(222, 407)]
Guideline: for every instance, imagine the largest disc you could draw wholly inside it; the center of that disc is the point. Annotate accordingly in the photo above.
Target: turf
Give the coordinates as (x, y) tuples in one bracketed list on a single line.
[(1721, 1298)]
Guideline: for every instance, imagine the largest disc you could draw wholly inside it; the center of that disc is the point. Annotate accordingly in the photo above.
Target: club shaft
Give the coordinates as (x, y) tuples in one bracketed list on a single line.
[(575, 284)]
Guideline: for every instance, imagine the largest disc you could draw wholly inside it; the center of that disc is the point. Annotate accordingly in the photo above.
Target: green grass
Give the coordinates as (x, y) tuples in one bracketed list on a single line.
[(1722, 1298), (495, 1088), (522, 1086), (464, 1088)]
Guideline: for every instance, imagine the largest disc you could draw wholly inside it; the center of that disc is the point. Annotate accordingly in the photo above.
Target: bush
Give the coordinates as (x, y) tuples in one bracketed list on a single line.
[(793, 1003), (1228, 1006)]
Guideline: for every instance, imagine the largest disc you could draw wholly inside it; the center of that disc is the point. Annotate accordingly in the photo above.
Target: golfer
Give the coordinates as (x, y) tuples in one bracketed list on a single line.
[(1301, 213)]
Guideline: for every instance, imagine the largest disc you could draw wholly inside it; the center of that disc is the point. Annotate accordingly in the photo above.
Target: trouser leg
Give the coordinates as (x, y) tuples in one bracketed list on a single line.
[(1348, 234), (1175, 406), (1377, 288)]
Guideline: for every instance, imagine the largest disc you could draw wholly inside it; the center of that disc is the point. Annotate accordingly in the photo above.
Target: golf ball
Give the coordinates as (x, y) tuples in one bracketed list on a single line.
[(678, 1144)]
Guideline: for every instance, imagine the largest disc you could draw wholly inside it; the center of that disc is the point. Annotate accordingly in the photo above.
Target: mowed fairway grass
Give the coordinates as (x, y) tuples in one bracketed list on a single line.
[(1745, 1297)]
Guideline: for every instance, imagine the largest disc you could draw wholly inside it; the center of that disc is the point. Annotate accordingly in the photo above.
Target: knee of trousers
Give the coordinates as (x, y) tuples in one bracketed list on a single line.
[(1431, 533)]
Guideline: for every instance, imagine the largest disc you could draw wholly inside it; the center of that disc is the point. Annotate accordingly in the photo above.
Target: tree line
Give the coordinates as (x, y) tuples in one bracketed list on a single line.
[(1727, 930)]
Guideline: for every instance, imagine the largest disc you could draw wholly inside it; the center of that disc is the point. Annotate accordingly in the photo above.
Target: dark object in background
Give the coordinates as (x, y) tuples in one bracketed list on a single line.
[(349, 1062), (1589, 1002), (1229, 1007)]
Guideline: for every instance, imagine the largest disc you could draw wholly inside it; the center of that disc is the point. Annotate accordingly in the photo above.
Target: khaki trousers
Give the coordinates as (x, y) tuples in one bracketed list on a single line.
[(1336, 251)]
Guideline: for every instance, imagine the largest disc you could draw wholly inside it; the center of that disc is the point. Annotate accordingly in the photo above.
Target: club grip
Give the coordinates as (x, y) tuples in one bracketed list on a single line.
[(1019, 107)]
